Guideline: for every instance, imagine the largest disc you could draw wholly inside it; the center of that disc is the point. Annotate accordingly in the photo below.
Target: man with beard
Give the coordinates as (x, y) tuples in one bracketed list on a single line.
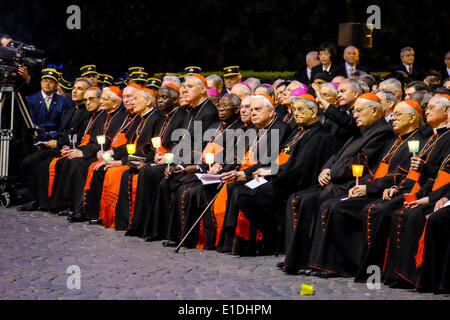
[(203, 113), (36, 165)]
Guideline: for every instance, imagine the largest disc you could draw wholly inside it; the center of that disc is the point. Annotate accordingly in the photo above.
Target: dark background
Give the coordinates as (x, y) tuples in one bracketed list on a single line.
[(267, 35)]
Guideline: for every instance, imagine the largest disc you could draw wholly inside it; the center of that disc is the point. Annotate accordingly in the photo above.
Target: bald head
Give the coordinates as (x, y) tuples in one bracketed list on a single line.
[(351, 55)]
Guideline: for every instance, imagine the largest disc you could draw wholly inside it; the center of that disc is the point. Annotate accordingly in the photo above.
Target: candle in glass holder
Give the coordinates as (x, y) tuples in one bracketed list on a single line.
[(131, 148), (101, 141), (357, 171), (106, 157), (209, 159), (169, 158), (413, 147), (156, 142)]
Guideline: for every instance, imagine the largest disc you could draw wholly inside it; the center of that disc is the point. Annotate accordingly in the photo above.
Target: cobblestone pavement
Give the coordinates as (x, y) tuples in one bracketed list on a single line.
[(37, 248)]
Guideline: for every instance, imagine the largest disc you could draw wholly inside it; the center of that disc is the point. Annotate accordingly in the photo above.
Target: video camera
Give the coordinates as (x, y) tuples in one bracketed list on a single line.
[(15, 55)]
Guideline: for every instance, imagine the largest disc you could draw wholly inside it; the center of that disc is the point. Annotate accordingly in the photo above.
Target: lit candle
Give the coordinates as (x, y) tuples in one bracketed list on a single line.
[(156, 142), (209, 159), (413, 147), (169, 158), (131, 148), (101, 141), (357, 171)]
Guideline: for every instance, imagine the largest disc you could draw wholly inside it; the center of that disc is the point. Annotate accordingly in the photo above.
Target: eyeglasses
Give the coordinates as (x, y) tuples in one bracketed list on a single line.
[(222, 106)]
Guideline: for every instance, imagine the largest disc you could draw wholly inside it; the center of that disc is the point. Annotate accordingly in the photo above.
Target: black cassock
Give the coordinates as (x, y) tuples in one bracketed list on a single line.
[(380, 212), (180, 200), (260, 146), (71, 177), (263, 206), (340, 245), (434, 272), (172, 121), (150, 175), (406, 229), (364, 148), (93, 195), (36, 165)]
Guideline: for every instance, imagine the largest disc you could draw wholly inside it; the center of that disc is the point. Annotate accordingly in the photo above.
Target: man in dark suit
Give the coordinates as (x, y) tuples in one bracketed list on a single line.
[(327, 56), (312, 60), (351, 65), (445, 73), (47, 109), (414, 72)]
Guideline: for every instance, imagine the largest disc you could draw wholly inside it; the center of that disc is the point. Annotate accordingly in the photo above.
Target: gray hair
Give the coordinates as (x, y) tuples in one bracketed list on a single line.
[(253, 82), (388, 95), (148, 95), (309, 104), (404, 50), (393, 84), (364, 86), (98, 92), (332, 87), (442, 101), (171, 79), (235, 100), (422, 97), (216, 80), (354, 84), (88, 82), (199, 82), (266, 101), (114, 96)]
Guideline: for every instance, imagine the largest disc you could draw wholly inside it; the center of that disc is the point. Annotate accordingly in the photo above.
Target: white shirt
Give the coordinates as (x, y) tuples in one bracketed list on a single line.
[(349, 68), (308, 72), (327, 69), (448, 72), (407, 68), (44, 95)]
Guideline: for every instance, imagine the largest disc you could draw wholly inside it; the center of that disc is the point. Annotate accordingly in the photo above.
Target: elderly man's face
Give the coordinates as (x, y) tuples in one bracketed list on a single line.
[(79, 88), (261, 114), (245, 110), (346, 94), (408, 57), (312, 60), (128, 98), (261, 90), (435, 114), (351, 55), (106, 103), (386, 105), (226, 109), (192, 90), (364, 116), (48, 85), (232, 80), (303, 115), (402, 118), (92, 101), (328, 94), (240, 90), (165, 99), (280, 92), (287, 93), (141, 102)]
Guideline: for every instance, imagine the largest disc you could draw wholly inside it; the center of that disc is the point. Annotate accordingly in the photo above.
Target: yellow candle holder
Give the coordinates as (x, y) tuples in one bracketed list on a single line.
[(306, 290), (357, 171), (131, 148)]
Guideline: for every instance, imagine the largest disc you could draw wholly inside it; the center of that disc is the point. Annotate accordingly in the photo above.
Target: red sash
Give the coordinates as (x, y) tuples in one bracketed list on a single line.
[(119, 140), (382, 170), (133, 194), (442, 179), (212, 147), (85, 140), (51, 175), (110, 195), (415, 176), (282, 158)]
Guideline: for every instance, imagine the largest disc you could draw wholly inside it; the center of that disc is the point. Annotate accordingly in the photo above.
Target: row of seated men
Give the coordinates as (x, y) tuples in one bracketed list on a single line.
[(311, 208)]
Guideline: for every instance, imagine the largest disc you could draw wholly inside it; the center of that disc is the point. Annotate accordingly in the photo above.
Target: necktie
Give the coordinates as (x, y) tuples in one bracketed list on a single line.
[(47, 102)]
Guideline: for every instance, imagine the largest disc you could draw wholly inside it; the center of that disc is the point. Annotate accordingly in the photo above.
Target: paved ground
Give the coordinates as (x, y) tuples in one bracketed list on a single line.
[(37, 248)]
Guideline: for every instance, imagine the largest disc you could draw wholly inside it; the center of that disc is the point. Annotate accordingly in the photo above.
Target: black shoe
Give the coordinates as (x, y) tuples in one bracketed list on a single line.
[(289, 270), (324, 274), (169, 243), (76, 218), (95, 222), (70, 214), (30, 206), (152, 238), (280, 265), (305, 272), (63, 213)]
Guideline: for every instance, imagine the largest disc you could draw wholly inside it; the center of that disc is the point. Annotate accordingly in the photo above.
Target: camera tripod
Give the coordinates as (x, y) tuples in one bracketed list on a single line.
[(6, 135)]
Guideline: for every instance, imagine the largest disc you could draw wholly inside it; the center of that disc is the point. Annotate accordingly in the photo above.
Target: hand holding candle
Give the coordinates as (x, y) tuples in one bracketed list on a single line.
[(169, 158), (209, 159), (413, 146), (357, 171)]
